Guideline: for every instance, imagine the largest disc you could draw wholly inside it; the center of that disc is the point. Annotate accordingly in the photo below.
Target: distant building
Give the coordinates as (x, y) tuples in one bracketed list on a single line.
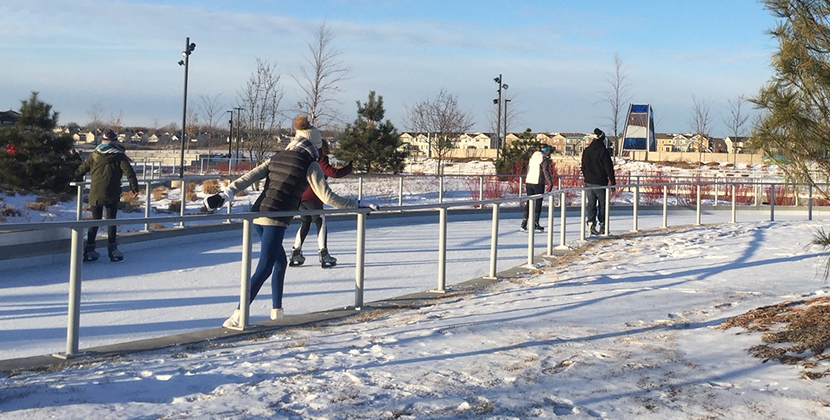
[(9, 118)]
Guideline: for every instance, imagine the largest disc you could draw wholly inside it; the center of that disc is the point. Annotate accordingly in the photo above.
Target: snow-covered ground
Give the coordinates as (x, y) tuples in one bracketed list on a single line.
[(623, 328), (627, 329)]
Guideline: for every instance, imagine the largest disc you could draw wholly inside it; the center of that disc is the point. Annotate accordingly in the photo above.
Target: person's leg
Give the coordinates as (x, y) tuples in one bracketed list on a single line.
[(537, 189), (302, 233), (97, 213), (591, 205), (271, 245), (526, 209), (280, 264), (322, 233), (112, 231)]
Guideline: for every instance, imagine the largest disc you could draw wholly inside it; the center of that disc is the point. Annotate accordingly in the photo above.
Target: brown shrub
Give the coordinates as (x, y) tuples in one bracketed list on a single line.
[(129, 202), (175, 206), (160, 193), (37, 206), (191, 196), (191, 187), (210, 187)]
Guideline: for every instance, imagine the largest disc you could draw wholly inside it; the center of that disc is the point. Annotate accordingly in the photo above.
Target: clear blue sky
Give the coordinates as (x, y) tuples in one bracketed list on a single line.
[(555, 55)]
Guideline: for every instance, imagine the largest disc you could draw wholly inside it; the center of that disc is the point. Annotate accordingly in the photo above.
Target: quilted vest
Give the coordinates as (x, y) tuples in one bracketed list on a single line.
[(285, 184)]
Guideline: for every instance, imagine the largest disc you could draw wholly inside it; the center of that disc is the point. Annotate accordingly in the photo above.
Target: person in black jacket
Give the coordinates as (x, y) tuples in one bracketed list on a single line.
[(597, 171), (107, 164)]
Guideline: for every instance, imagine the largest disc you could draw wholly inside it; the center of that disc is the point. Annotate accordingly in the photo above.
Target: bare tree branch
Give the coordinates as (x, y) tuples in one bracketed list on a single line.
[(319, 79), (442, 119)]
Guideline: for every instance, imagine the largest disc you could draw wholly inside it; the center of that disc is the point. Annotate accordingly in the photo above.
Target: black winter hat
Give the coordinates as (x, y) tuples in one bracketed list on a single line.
[(599, 133), (110, 135)]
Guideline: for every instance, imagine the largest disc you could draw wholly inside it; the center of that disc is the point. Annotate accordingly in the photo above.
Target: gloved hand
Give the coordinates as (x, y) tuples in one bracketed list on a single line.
[(213, 202), (368, 204)]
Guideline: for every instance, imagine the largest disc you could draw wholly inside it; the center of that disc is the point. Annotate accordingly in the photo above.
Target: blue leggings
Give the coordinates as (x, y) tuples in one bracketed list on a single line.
[(271, 260)]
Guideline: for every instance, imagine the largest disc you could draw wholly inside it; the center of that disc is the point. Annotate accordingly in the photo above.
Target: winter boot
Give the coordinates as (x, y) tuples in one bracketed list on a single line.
[(539, 228), (594, 229), (277, 313), (524, 225), (90, 254), (114, 253), (235, 321), (327, 260), (297, 257)]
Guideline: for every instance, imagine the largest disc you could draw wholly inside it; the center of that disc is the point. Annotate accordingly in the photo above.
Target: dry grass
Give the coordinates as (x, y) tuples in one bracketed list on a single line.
[(191, 187), (38, 206), (795, 333), (160, 193), (191, 196), (210, 187), (129, 202), (175, 206)]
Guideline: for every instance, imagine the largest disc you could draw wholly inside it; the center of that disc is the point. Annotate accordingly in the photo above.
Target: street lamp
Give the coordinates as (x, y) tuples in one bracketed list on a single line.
[(238, 131), (230, 140), (498, 102), (188, 49)]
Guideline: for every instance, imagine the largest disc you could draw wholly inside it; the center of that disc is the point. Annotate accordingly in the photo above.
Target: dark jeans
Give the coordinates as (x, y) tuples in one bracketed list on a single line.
[(97, 214), (272, 262), (595, 204), (533, 189)]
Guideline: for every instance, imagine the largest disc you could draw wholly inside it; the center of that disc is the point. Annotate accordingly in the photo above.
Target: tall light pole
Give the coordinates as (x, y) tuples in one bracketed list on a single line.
[(188, 49), (230, 140), (498, 102), (238, 131), (505, 116)]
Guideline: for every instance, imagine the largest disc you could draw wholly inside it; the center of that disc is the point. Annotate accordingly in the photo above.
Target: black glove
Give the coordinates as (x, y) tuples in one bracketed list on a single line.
[(214, 201)]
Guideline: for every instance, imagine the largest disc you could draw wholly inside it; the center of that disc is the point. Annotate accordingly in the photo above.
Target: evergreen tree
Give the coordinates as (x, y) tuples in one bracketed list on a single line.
[(373, 145), (34, 158), (515, 156), (795, 129)]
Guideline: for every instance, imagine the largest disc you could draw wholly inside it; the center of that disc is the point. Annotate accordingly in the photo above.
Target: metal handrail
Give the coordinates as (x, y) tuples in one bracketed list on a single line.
[(247, 218)]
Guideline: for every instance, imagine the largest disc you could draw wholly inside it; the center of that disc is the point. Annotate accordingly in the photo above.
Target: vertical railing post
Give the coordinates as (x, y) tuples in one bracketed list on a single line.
[(665, 206), (494, 241), (734, 205), (810, 202), (183, 200), (551, 210), (771, 202), (80, 203), (607, 211), (563, 219), (481, 188), (400, 191), (531, 231), (245, 275), (360, 188), (698, 205), (147, 205), (636, 207), (360, 260), (582, 221), (74, 313), (442, 250)]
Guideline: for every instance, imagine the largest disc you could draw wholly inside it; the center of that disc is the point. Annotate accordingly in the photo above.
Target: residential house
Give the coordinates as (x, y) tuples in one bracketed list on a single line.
[(475, 141), (736, 144)]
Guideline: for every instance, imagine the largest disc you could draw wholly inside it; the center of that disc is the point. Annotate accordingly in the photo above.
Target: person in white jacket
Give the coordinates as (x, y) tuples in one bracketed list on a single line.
[(287, 175), (538, 174)]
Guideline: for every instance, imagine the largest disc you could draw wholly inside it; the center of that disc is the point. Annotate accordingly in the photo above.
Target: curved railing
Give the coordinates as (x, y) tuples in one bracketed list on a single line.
[(77, 228)]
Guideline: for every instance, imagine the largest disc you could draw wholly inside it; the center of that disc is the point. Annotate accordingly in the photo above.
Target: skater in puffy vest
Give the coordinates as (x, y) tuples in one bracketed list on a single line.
[(287, 175), (107, 164), (538, 174), (312, 202), (597, 171)]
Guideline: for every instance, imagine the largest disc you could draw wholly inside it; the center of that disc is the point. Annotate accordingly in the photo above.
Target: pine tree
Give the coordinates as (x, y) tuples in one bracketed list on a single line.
[(795, 129), (34, 158), (371, 143), (515, 156)]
